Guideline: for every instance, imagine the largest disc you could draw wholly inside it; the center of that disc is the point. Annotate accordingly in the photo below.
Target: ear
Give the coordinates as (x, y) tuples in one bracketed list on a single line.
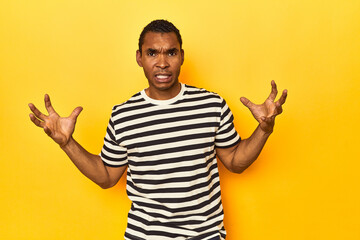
[(182, 56), (138, 58)]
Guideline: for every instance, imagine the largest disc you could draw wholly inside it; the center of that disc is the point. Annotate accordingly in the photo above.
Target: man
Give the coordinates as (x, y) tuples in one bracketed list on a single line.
[(167, 137)]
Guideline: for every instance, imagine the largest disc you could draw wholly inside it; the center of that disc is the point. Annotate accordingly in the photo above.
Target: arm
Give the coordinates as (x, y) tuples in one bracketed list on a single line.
[(242, 155), (60, 130)]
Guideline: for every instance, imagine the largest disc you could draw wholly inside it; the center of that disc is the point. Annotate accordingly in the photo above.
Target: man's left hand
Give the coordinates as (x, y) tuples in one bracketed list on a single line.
[(265, 113)]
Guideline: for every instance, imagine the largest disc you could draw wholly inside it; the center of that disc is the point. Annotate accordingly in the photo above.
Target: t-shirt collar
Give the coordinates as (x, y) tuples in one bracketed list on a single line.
[(164, 102)]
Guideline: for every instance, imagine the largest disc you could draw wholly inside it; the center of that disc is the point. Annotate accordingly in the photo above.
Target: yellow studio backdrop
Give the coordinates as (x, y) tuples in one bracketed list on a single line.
[(305, 185)]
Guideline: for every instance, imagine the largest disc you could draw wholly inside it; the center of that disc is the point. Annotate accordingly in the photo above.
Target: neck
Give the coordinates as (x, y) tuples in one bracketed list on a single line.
[(163, 94)]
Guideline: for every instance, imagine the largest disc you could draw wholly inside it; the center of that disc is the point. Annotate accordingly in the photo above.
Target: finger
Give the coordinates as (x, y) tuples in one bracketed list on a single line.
[(246, 102), (36, 121), (273, 92), (36, 111), (48, 105), (47, 131), (75, 113), (278, 108), (283, 97)]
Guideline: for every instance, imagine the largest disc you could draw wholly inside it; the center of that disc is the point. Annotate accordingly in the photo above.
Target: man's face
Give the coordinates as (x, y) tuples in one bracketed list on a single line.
[(161, 59)]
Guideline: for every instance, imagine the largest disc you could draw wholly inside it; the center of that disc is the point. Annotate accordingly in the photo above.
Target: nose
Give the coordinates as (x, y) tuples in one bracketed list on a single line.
[(162, 62)]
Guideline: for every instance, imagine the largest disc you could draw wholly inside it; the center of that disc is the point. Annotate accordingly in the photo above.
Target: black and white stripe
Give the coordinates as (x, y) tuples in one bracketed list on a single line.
[(169, 148)]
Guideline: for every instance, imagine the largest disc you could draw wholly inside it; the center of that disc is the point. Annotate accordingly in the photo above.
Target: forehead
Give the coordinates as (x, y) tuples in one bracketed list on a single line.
[(157, 40)]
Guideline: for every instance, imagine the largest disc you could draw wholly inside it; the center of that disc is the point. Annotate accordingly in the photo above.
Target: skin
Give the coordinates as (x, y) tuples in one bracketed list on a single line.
[(60, 129), (241, 156), (161, 55)]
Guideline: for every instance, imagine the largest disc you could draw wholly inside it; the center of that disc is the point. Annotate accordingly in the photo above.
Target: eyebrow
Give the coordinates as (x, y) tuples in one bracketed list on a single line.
[(171, 50), (151, 50)]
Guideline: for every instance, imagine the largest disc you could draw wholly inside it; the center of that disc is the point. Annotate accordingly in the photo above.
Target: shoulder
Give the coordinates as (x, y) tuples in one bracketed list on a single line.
[(135, 102), (133, 99), (195, 92)]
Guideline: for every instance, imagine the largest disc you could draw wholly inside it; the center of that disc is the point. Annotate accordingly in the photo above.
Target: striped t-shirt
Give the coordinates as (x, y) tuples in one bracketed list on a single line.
[(172, 175)]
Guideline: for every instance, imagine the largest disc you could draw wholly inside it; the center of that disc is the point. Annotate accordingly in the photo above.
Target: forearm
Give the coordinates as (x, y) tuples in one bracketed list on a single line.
[(89, 164), (248, 150)]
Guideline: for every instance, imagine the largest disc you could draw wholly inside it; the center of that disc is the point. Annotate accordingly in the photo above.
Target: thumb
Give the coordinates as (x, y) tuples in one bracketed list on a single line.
[(75, 113), (47, 131), (246, 102)]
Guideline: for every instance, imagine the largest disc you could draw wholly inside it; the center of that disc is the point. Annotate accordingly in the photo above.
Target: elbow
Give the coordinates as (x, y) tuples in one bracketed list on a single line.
[(240, 166), (105, 184), (237, 170)]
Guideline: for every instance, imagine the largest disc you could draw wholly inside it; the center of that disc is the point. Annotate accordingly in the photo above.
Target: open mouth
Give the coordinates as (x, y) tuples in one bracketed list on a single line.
[(163, 77)]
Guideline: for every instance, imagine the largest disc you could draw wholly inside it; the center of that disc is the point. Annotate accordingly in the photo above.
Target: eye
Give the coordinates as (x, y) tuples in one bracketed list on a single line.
[(172, 53), (151, 54)]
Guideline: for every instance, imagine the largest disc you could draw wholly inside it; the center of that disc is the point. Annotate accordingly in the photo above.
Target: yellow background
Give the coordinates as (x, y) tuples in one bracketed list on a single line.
[(305, 185)]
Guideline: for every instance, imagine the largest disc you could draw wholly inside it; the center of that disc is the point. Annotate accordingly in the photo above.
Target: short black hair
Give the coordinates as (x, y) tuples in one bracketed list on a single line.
[(159, 26)]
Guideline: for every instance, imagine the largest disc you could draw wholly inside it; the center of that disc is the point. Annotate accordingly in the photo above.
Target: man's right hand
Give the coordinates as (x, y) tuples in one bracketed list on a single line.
[(60, 129)]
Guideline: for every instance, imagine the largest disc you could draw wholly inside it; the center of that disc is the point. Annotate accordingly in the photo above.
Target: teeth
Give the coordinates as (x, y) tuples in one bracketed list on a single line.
[(162, 76)]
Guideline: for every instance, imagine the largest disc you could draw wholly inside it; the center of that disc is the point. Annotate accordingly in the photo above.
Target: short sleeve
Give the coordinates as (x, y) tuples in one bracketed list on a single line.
[(226, 135), (112, 153)]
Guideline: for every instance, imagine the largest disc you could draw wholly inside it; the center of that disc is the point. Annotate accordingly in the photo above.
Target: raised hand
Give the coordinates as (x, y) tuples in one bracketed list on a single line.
[(58, 128), (265, 113)]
